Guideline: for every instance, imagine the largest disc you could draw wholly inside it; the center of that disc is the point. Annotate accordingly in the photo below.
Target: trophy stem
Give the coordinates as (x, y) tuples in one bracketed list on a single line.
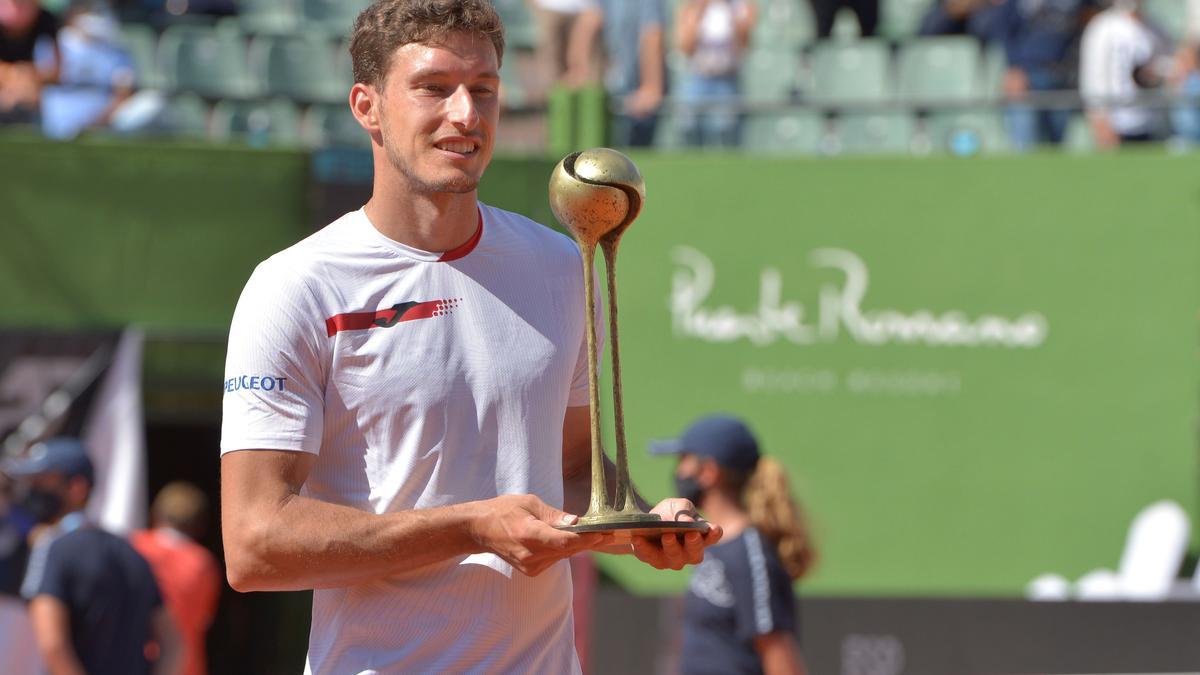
[(624, 499), (598, 503)]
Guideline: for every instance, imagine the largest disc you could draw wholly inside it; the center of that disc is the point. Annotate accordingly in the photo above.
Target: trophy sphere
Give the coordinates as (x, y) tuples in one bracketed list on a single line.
[(595, 193)]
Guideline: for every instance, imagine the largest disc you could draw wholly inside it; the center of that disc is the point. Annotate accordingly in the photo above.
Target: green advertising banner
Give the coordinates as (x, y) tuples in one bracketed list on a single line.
[(975, 371)]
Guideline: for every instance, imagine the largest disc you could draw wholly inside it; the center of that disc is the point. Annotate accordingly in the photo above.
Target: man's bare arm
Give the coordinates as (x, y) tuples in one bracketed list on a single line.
[(276, 539), (51, 622)]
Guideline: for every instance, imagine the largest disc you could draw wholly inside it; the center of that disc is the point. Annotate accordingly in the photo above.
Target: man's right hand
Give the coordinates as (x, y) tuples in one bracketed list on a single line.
[(521, 530)]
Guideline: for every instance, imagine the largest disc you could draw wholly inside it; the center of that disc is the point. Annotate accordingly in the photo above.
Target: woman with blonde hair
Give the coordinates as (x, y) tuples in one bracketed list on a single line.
[(739, 612)]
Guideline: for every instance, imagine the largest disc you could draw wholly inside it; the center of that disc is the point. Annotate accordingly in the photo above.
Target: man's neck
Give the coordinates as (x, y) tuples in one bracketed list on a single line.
[(434, 222)]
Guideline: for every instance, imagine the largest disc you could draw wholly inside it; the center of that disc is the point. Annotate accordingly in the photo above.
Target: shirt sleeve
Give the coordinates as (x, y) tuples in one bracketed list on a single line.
[(763, 601), (274, 387), (54, 575)]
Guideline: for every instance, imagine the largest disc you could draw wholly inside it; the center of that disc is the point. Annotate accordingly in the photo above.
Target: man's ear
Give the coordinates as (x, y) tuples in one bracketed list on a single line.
[(364, 103), (709, 474)]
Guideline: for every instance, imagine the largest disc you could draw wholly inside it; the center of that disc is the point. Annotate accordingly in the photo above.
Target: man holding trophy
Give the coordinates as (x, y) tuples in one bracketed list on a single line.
[(407, 423)]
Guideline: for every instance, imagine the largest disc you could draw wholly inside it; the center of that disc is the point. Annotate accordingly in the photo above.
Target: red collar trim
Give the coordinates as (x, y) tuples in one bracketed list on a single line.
[(462, 251)]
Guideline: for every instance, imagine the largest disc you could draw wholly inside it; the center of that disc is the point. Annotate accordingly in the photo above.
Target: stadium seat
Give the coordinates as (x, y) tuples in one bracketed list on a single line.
[(1169, 16), (968, 131), (769, 74), (879, 133), (850, 72), (939, 69), (796, 132), (258, 123), (302, 67), (268, 16), (901, 19), (334, 126), (207, 61), (520, 31), (186, 115), (142, 41), (335, 17), (784, 24)]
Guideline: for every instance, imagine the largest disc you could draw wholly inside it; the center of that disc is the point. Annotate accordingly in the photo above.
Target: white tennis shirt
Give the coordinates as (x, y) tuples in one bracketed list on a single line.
[(420, 380)]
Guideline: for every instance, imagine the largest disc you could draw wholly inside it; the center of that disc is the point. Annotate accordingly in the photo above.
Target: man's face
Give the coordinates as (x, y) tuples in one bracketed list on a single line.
[(438, 112)]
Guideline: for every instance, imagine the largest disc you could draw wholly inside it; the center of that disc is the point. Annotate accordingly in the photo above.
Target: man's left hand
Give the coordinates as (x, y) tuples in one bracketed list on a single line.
[(674, 551)]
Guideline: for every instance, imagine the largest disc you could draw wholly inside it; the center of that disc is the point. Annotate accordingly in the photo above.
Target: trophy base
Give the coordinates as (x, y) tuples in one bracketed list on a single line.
[(626, 530)]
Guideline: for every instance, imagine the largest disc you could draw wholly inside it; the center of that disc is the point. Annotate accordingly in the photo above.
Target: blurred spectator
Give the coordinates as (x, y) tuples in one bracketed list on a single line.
[(17, 651), (555, 21), (1040, 40), (635, 70), (22, 25), (186, 572), (1186, 78), (96, 79), (826, 11), (978, 18), (93, 602), (739, 611), (1120, 56), (712, 34)]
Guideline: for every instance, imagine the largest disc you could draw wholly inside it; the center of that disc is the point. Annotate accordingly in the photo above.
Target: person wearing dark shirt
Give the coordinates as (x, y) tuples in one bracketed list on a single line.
[(22, 25), (93, 602), (739, 611), (1041, 41)]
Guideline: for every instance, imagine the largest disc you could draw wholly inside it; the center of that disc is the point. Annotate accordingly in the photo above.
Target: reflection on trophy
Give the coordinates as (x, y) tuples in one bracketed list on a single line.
[(596, 195)]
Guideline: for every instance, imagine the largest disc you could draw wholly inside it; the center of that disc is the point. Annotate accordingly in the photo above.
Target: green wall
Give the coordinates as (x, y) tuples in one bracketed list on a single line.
[(1017, 377)]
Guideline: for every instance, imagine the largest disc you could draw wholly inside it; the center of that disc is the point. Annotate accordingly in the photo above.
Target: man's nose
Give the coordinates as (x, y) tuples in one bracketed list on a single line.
[(461, 110)]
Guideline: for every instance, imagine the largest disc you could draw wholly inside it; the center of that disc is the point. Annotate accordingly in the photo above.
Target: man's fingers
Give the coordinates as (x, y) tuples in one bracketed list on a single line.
[(673, 551), (648, 552), (693, 547)]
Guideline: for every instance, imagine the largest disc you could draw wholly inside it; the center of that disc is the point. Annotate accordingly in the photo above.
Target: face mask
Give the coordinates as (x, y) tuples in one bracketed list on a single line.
[(689, 488), (41, 505)]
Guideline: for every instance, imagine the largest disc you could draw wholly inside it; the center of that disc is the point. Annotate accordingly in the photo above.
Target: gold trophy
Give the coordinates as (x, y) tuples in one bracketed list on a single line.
[(596, 194)]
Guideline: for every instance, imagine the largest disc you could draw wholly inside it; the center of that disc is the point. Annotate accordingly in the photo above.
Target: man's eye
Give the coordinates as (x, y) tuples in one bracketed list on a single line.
[(432, 88), (484, 91)]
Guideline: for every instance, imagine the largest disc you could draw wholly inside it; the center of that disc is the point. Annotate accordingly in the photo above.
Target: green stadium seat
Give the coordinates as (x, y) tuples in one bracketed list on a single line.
[(901, 19), (968, 131), (939, 69), (1079, 138), (275, 17), (334, 126), (783, 24), (258, 123), (142, 42), (207, 61), (850, 72), (335, 17), (769, 74), (882, 133), (791, 132), (520, 30), (186, 115), (302, 67), (1168, 15)]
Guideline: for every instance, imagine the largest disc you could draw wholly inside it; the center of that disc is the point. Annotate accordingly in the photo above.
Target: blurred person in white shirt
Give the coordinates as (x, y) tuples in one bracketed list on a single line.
[(1119, 57)]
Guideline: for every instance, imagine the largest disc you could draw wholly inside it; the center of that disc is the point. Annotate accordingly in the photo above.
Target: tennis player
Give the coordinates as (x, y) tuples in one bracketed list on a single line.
[(405, 403)]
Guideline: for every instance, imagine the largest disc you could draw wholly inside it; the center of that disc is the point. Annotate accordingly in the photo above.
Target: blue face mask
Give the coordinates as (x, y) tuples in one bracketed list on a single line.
[(689, 488)]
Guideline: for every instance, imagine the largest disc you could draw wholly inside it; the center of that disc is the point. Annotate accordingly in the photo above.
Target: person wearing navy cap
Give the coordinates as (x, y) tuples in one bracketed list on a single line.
[(93, 601), (739, 611)]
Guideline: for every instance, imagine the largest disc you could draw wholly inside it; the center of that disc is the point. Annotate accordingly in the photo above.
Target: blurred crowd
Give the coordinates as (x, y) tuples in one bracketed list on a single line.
[(69, 69)]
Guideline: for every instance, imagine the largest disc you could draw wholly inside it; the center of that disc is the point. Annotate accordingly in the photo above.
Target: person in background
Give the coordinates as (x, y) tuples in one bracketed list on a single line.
[(977, 18), (96, 78), (186, 572), (1119, 57), (1040, 37), (23, 24), (867, 12), (635, 76), (555, 21), (17, 651), (93, 602), (1185, 79), (739, 611), (712, 34)]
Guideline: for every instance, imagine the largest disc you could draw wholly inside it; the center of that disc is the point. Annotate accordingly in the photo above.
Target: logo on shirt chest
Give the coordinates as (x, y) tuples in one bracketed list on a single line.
[(386, 318)]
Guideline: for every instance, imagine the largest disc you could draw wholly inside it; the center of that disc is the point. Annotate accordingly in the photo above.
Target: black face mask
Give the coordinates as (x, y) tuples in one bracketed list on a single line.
[(41, 505), (689, 488)]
